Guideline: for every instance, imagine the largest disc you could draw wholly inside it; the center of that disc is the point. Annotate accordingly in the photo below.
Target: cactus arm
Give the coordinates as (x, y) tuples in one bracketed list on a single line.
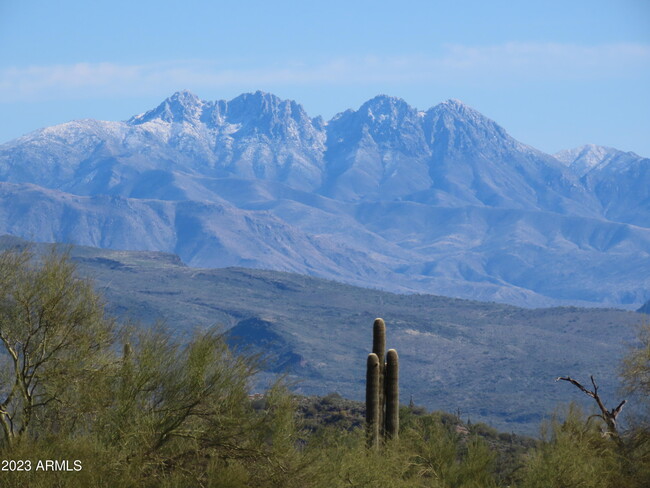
[(372, 401), (392, 394)]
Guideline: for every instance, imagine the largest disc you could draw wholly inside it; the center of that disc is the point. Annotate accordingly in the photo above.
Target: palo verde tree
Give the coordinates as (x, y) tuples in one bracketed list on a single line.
[(578, 452), (164, 412), (635, 372), (54, 339)]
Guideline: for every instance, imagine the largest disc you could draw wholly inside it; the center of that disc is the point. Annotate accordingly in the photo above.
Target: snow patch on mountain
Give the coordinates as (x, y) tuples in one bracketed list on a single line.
[(581, 160)]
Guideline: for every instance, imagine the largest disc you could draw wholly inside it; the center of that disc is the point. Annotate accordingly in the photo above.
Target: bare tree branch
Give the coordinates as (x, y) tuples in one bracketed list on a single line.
[(608, 416), (618, 409)]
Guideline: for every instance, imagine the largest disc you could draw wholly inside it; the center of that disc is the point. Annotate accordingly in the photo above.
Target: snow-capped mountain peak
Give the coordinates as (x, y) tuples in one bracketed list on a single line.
[(464, 127), (457, 111), (182, 106), (584, 159), (440, 200), (384, 104)]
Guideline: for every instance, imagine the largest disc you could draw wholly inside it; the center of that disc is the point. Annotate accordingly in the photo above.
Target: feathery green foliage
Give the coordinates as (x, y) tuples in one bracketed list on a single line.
[(55, 344), (635, 373)]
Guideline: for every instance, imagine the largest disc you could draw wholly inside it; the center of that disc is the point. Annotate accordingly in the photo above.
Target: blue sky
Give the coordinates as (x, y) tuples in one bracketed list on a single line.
[(555, 74)]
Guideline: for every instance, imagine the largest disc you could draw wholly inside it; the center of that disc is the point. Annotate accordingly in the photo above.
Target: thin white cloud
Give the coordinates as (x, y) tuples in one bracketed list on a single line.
[(457, 63), (551, 60)]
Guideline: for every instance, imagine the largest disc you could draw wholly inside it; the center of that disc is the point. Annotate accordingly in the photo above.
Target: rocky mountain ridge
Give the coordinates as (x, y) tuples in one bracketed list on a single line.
[(441, 201)]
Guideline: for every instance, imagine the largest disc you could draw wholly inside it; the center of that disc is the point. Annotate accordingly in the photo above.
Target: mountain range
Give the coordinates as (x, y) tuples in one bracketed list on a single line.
[(441, 201)]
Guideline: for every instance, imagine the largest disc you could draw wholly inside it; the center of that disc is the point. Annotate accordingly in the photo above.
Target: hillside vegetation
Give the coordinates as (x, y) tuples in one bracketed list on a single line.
[(494, 362), (85, 402)]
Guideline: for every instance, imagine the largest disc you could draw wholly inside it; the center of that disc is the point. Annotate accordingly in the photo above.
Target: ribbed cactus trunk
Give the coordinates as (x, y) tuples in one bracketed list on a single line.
[(127, 351), (372, 401), (392, 395), (382, 389), (378, 348)]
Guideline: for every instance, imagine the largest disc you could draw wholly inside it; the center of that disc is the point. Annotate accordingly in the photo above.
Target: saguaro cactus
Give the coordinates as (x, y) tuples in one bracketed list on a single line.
[(372, 400), (382, 389), (391, 383), (127, 351), (378, 348)]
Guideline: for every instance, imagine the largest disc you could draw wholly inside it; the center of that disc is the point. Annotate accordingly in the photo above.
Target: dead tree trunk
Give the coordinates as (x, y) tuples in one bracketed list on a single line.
[(608, 416)]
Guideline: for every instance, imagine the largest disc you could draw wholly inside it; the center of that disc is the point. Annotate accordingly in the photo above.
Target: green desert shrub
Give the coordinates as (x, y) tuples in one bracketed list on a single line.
[(55, 344), (151, 412), (138, 407), (575, 452)]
